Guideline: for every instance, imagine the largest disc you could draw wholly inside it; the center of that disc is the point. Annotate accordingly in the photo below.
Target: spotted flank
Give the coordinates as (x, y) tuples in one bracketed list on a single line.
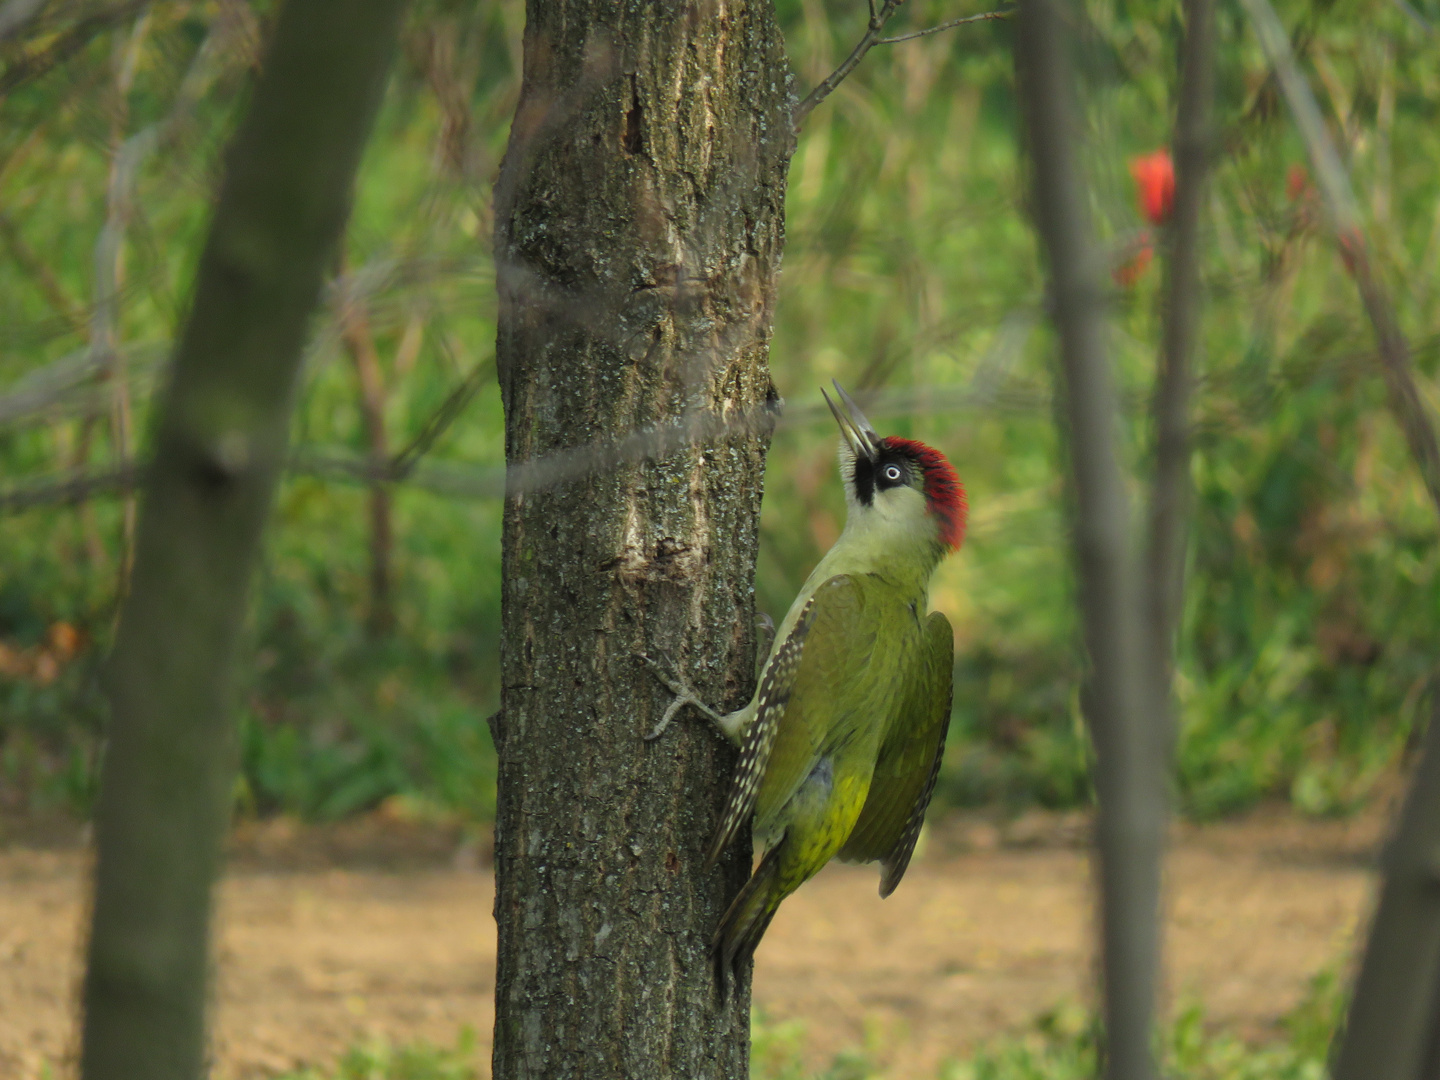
[(775, 685)]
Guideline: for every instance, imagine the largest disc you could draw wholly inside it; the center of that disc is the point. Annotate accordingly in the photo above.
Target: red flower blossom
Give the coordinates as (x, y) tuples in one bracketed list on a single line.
[(1154, 176)]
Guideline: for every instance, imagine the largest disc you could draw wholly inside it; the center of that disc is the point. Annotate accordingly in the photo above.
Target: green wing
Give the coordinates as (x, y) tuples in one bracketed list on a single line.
[(908, 763), (776, 756), (829, 706)]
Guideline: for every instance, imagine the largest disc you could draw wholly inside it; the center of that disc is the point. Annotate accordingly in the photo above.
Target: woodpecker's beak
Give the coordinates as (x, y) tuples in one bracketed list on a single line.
[(854, 428)]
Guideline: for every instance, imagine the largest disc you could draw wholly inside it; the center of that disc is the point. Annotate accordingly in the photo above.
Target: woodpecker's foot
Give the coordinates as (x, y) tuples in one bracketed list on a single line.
[(677, 685)]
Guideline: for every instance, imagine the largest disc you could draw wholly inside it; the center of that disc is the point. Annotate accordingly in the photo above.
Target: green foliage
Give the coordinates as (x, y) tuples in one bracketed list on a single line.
[(1309, 627), (1064, 1044), (776, 1053), (335, 721), (1061, 1045), (416, 1061)]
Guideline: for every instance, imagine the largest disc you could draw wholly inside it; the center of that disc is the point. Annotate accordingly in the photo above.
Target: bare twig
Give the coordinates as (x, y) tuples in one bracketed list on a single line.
[(1344, 215), (440, 420), (984, 16), (871, 38), (1170, 492), (827, 86), (1131, 818)]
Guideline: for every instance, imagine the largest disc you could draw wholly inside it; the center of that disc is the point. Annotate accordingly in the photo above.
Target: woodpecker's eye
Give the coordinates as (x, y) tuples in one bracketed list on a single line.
[(892, 473)]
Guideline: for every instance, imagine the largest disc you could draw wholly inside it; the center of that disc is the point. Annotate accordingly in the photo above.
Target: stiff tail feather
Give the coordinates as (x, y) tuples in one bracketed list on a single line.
[(744, 922)]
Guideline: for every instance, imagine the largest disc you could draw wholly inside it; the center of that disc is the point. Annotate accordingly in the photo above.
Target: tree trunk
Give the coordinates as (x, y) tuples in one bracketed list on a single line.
[(380, 618), (168, 775), (1130, 820), (1391, 1028), (1170, 494), (639, 225)]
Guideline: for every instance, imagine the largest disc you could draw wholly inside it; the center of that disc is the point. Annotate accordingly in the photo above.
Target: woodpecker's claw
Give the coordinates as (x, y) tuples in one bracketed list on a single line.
[(683, 696)]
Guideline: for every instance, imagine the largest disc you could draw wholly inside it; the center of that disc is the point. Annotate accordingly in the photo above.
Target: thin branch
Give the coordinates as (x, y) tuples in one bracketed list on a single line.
[(877, 22), (1130, 823), (360, 342), (1170, 492), (878, 19), (984, 16), (440, 420), (991, 390)]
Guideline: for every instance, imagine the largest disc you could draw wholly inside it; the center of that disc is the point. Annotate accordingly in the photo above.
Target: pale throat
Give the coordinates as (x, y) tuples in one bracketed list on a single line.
[(895, 536)]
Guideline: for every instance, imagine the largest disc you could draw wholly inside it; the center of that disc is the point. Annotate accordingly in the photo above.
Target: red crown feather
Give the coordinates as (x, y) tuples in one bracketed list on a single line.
[(944, 493)]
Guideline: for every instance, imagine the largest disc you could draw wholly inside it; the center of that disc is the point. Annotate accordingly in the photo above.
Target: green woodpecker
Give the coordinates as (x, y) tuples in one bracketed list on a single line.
[(841, 743)]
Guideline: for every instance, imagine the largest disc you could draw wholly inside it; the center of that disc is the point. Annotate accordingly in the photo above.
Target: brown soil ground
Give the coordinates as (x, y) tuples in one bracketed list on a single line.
[(377, 929)]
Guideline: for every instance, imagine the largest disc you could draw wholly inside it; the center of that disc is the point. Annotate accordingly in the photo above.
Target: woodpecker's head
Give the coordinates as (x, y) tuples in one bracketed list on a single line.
[(897, 484)]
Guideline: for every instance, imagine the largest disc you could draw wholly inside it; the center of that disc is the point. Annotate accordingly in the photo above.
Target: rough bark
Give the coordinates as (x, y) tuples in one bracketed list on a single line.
[(1130, 822), (639, 226), (168, 774)]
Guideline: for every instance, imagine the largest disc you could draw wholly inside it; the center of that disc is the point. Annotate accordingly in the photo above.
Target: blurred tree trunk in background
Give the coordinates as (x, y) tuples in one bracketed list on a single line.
[(360, 343), (1170, 491), (168, 774), (639, 225), (1391, 1030), (1130, 820)]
